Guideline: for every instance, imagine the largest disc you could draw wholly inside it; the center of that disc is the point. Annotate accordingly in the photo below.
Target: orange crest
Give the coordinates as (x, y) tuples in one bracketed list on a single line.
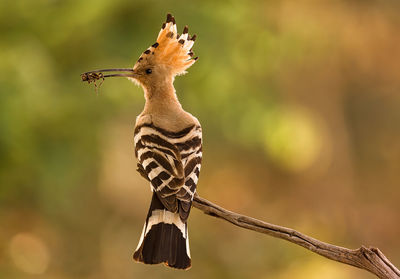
[(171, 49)]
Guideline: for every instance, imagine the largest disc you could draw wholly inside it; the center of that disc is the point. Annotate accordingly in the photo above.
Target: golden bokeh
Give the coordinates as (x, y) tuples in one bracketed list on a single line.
[(29, 253), (300, 108)]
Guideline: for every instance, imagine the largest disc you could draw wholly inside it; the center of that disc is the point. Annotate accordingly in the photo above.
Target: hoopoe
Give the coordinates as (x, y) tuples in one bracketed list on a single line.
[(168, 146)]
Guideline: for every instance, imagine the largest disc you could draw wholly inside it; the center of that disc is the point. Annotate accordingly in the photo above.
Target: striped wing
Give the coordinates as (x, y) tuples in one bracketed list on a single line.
[(171, 162)]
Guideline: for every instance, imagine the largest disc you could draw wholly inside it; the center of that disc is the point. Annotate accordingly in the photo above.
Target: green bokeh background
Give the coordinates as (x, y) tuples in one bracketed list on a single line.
[(300, 107)]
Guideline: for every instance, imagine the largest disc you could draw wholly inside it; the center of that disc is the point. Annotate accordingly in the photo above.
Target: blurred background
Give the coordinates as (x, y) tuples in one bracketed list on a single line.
[(300, 107)]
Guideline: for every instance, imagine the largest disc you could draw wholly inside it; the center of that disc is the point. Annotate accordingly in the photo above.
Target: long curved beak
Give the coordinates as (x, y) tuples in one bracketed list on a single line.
[(99, 74)]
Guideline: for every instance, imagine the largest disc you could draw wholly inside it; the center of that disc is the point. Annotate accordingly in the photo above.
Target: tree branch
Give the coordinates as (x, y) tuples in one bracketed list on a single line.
[(370, 259)]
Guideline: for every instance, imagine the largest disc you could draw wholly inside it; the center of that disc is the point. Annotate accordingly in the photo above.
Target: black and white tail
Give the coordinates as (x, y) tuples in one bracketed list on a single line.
[(164, 238)]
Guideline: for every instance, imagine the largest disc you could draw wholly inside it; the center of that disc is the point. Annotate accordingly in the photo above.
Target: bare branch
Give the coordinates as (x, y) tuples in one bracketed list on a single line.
[(370, 259)]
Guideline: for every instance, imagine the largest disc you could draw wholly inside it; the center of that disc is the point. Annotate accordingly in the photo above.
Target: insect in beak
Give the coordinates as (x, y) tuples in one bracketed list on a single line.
[(92, 76)]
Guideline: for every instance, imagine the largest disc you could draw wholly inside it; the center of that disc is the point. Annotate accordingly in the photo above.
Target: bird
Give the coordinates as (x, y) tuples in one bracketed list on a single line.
[(168, 146)]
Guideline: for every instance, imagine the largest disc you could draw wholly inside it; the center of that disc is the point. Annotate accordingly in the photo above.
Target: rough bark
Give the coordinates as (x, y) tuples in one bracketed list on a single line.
[(370, 259)]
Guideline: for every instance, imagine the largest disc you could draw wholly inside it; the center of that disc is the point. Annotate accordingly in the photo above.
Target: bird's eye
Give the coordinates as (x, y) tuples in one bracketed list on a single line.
[(148, 71)]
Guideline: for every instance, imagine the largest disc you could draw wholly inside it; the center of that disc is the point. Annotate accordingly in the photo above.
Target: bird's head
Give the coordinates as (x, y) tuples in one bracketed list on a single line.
[(168, 57)]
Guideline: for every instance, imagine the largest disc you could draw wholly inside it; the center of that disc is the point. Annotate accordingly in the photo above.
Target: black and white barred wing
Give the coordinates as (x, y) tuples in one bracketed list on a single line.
[(191, 154), (170, 162)]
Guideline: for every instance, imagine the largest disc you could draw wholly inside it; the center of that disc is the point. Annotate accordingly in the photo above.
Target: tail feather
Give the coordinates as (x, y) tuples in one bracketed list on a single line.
[(164, 238)]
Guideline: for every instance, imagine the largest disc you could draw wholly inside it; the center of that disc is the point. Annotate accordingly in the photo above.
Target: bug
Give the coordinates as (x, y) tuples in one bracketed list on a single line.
[(93, 77)]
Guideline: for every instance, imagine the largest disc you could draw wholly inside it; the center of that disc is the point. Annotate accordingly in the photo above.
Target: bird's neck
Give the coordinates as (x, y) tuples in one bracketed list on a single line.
[(161, 97)]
